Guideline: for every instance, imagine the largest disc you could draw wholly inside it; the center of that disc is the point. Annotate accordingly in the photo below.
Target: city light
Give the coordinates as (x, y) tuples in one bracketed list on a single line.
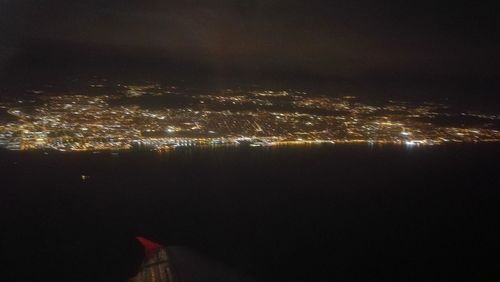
[(256, 118)]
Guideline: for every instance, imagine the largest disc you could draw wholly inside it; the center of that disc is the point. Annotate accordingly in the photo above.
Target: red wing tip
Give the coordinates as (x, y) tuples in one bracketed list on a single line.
[(149, 246)]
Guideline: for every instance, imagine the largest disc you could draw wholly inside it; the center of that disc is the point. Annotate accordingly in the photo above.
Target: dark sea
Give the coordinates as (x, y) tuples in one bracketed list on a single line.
[(305, 213)]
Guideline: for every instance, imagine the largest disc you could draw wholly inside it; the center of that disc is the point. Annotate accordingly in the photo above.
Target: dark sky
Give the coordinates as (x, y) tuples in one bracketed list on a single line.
[(319, 38)]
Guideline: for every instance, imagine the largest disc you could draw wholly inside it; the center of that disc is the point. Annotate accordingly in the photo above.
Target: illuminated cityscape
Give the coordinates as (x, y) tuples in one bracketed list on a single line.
[(231, 117), (249, 141)]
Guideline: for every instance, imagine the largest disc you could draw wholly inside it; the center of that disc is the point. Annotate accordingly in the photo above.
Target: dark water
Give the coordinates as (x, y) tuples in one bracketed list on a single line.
[(336, 213)]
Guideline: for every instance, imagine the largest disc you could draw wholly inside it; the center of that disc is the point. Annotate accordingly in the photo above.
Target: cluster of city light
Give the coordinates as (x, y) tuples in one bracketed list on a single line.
[(262, 118)]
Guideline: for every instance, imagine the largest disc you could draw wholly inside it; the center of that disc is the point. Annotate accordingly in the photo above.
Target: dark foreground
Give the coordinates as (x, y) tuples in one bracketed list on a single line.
[(337, 213)]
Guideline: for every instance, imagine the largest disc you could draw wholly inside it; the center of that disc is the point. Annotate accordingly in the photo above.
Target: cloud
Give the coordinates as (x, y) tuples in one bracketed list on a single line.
[(318, 37)]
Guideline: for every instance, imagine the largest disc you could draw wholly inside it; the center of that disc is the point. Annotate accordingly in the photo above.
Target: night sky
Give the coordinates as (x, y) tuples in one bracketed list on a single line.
[(330, 39)]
